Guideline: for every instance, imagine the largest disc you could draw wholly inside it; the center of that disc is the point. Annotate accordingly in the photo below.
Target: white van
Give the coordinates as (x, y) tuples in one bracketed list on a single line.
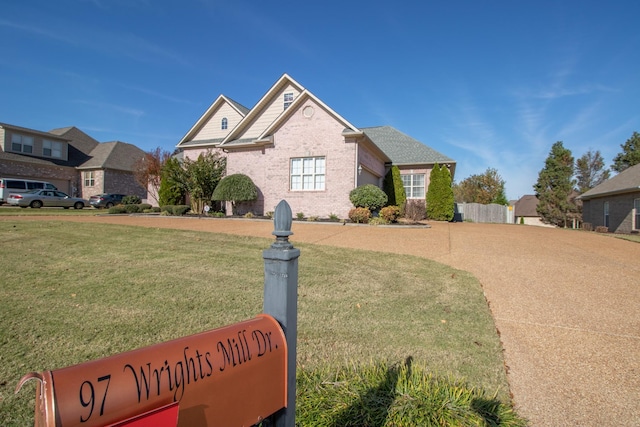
[(17, 185)]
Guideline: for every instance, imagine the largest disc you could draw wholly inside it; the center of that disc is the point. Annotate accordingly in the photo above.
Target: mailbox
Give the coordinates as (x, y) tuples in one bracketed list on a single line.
[(231, 376)]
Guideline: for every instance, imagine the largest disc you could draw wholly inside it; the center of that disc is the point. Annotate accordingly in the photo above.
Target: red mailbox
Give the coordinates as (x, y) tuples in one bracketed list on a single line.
[(231, 376)]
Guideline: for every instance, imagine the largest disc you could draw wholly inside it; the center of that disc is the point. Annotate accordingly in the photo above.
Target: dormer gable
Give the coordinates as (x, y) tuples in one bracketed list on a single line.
[(268, 109), (216, 123)]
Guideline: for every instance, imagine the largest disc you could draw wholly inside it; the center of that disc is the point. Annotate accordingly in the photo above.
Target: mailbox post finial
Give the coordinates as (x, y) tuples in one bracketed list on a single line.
[(282, 220)]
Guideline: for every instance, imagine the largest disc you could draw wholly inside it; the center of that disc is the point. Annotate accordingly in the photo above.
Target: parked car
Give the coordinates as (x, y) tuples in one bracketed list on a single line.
[(18, 185), (105, 200), (47, 198)]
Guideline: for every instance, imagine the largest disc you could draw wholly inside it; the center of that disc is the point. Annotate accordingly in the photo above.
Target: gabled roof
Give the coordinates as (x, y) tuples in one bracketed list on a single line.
[(204, 119), (403, 149), (626, 181), (304, 95), (114, 155), (258, 109), (526, 206)]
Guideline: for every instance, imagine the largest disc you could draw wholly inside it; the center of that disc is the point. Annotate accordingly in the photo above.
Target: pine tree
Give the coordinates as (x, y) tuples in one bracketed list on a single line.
[(630, 154), (554, 186)]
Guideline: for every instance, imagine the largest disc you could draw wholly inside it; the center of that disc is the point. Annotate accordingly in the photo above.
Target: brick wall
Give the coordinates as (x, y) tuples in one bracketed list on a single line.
[(315, 135), (65, 178), (620, 212)]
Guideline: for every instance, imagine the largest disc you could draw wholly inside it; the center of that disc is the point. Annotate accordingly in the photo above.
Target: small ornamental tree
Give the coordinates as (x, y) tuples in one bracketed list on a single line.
[(368, 196), (236, 188), (394, 188), (440, 194)]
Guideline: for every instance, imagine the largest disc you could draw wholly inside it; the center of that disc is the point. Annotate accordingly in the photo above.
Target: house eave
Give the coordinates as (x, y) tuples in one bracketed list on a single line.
[(609, 193)]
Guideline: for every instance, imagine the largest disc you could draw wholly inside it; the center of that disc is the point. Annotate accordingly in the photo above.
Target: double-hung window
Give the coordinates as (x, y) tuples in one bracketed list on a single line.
[(606, 214), (413, 185), (636, 214), (307, 173), (51, 149), (288, 99), (89, 178), (224, 123), (22, 143)]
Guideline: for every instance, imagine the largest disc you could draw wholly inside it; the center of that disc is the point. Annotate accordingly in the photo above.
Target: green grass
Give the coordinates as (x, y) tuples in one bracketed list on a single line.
[(6, 210), (75, 292)]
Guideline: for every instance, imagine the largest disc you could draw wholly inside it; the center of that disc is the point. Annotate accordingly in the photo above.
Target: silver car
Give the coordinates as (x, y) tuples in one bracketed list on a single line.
[(47, 198)]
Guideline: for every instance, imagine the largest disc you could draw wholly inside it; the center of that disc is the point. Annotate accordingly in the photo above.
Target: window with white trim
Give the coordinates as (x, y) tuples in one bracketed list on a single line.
[(606, 214), (413, 185), (89, 178), (288, 99), (224, 123), (307, 174), (22, 143), (51, 148), (636, 214)]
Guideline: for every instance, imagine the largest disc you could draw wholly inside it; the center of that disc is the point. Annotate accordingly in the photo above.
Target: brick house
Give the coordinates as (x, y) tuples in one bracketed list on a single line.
[(615, 203), (295, 147), (70, 159)]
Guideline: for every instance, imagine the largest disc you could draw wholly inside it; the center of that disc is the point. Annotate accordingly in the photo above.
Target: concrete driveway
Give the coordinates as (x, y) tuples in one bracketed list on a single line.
[(566, 304)]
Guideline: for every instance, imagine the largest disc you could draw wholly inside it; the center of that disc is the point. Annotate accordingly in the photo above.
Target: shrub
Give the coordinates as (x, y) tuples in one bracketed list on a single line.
[(269, 214), (312, 218), (415, 209), (522, 220), (249, 215), (218, 214), (131, 200), (167, 208), (132, 208), (333, 217), (145, 206), (300, 215), (368, 196), (602, 229), (440, 194), (360, 215), (390, 213), (394, 188), (587, 226), (180, 210), (383, 394), (378, 220), (115, 210)]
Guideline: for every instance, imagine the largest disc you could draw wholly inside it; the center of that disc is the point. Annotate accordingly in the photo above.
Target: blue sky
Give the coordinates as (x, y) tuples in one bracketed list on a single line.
[(489, 83)]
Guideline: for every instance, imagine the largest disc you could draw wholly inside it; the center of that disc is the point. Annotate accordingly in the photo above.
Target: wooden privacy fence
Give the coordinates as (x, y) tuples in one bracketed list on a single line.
[(237, 375), (477, 212)]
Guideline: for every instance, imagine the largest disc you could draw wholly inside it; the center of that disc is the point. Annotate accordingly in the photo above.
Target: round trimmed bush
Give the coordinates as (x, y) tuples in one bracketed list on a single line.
[(368, 196)]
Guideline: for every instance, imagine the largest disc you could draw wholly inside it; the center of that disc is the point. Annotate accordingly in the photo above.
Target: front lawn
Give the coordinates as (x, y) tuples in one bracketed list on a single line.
[(73, 292)]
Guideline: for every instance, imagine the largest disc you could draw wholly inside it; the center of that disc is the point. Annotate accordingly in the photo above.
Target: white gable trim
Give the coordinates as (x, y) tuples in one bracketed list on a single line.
[(204, 119), (259, 108)]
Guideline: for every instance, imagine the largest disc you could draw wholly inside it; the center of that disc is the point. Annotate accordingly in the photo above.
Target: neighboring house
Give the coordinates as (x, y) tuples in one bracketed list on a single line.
[(525, 211), (70, 159), (295, 147), (615, 203)]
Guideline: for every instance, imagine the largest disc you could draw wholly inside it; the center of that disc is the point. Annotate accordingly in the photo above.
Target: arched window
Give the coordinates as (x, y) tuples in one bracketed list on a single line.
[(224, 123)]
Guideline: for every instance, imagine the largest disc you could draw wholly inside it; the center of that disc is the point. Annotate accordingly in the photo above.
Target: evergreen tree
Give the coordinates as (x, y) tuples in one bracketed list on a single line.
[(440, 194), (394, 188), (555, 185), (590, 171), (630, 154)]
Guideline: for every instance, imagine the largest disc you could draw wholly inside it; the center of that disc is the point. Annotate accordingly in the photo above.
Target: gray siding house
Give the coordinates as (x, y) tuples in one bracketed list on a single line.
[(615, 203)]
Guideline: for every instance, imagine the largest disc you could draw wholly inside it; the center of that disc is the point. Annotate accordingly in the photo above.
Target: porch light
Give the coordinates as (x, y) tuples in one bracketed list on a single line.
[(359, 169)]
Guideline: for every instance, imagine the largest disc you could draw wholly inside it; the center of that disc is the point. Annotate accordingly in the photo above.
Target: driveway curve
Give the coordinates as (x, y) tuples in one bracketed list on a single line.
[(566, 303)]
